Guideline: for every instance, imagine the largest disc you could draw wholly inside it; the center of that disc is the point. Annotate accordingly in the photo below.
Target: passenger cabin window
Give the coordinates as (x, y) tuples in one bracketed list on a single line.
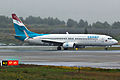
[(109, 38), (70, 38)]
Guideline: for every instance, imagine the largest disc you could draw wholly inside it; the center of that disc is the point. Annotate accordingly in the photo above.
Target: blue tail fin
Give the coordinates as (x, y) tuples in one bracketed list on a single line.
[(20, 29)]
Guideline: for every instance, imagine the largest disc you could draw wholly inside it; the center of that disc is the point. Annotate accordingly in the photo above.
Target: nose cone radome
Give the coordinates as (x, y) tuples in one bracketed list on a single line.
[(115, 42)]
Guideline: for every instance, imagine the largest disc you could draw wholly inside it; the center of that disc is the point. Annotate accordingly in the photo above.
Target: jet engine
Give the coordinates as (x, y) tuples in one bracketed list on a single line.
[(69, 45)]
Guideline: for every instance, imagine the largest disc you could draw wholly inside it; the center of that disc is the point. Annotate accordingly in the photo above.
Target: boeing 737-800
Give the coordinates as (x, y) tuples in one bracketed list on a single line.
[(62, 40)]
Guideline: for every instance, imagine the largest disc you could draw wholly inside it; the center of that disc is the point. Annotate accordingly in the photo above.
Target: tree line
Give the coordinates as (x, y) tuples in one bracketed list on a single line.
[(57, 26), (50, 21)]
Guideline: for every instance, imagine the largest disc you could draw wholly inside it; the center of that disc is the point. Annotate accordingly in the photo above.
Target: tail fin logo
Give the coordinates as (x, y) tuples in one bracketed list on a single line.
[(20, 28), (26, 34), (16, 20)]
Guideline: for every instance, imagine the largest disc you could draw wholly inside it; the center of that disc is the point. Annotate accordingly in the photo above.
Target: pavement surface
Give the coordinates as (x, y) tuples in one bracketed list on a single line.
[(89, 58)]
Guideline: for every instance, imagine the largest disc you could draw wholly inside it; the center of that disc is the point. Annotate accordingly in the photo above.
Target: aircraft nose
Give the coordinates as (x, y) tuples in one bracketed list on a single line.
[(115, 42)]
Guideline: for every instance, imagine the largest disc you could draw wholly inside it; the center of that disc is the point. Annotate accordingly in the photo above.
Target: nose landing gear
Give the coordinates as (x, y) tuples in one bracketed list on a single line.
[(106, 48)]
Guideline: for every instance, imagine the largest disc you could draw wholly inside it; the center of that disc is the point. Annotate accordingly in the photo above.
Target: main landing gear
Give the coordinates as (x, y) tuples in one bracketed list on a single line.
[(59, 48)]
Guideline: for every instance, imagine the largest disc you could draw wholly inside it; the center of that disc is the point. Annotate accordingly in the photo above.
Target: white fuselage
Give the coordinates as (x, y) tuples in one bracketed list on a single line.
[(79, 39), (66, 40)]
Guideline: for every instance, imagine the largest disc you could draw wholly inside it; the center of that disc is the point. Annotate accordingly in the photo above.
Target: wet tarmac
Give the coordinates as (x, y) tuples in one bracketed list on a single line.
[(89, 58)]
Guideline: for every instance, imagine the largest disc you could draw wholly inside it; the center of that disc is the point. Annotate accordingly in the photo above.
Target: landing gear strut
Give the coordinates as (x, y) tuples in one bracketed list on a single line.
[(106, 48)]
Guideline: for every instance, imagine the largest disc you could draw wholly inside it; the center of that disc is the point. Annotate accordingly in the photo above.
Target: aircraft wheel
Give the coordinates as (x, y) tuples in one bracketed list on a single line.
[(58, 48), (106, 48)]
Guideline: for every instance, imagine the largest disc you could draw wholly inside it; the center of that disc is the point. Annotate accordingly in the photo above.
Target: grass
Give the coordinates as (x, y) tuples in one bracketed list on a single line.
[(33, 72)]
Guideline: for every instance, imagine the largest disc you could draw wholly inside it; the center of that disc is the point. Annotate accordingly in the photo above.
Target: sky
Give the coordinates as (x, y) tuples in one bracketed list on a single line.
[(88, 10)]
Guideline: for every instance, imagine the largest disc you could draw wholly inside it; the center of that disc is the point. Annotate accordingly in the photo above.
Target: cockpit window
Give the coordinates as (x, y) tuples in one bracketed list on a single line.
[(109, 38)]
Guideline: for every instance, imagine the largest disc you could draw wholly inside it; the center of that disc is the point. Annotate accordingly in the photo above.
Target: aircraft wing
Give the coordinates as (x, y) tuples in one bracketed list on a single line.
[(52, 41)]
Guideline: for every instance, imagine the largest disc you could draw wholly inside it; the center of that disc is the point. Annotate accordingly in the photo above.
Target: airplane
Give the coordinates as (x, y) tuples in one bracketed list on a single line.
[(64, 41)]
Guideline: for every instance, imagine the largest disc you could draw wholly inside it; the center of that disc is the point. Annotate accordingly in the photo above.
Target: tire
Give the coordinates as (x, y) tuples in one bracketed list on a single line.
[(106, 49), (58, 48)]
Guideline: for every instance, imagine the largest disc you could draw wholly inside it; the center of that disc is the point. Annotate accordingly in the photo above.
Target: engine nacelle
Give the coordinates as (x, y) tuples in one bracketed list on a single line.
[(69, 45)]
